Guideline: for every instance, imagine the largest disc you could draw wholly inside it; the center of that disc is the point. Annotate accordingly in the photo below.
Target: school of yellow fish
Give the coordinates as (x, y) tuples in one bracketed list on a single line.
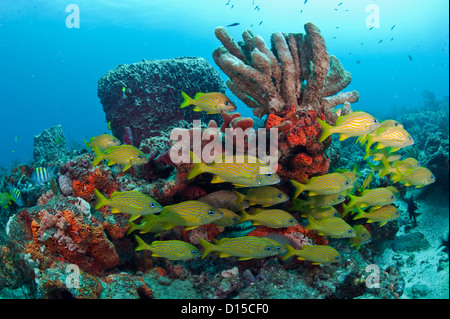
[(319, 195)]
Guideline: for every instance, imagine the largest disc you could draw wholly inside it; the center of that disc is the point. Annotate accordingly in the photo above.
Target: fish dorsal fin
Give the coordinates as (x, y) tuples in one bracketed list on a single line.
[(199, 94), (110, 149), (114, 195)]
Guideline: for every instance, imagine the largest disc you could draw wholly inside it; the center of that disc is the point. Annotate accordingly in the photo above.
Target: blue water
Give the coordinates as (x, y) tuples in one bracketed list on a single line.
[(49, 73)]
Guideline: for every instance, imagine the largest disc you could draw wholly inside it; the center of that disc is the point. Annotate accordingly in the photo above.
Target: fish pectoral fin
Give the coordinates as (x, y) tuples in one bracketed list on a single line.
[(197, 109), (343, 137), (382, 223), (311, 193), (245, 258), (300, 258), (155, 255), (257, 224), (111, 162), (127, 166), (217, 179), (133, 217), (224, 255), (315, 263), (115, 210)]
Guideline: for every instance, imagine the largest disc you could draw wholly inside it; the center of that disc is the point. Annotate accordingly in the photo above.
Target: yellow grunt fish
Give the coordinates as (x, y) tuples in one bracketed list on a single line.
[(265, 196), (126, 155), (419, 177), (241, 170), (318, 201), (335, 227), (380, 215), (246, 247), (362, 237), (103, 141), (212, 103), (170, 249), (353, 124), (131, 202), (273, 218), (393, 137), (333, 183), (371, 197), (318, 254), (229, 218)]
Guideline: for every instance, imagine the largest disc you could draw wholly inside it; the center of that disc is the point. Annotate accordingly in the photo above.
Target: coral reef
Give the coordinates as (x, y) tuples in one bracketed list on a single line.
[(50, 146), (152, 96)]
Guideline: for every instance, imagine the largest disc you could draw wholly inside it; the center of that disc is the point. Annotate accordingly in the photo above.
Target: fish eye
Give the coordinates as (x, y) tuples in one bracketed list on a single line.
[(280, 195), (397, 212), (193, 252), (337, 258), (140, 156), (152, 205), (269, 174), (363, 235), (235, 219), (339, 198), (291, 220), (350, 231), (432, 177), (347, 182), (375, 121), (278, 248), (392, 197), (409, 138), (227, 103), (268, 248), (211, 212)]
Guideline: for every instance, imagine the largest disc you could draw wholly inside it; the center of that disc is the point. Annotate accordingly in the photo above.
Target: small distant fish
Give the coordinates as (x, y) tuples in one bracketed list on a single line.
[(380, 41), (129, 202), (334, 37), (318, 254), (170, 249), (380, 215), (42, 175), (103, 141), (16, 138), (265, 196), (340, 4), (353, 124), (256, 8), (301, 11), (410, 58), (189, 214), (233, 24), (260, 23), (126, 155), (246, 247), (228, 2), (241, 170), (392, 39), (335, 227), (371, 28), (332, 183), (362, 43), (273, 218), (358, 61), (5, 200), (232, 6), (212, 103), (392, 28), (335, 9), (337, 27), (305, 1), (418, 177), (362, 237)]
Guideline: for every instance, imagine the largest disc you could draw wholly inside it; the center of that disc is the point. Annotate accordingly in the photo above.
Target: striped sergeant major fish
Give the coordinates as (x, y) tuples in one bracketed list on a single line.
[(42, 175), (353, 124), (16, 196)]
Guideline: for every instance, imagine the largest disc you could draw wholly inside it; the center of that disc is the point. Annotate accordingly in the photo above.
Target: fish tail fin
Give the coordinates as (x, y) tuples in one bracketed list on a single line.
[(397, 177), (198, 168), (101, 200), (244, 216), (132, 228), (369, 144), (87, 144), (240, 197), (208, 247), (353, 201), (345, 211), (187, 100), (360, 214), (326, 130), (311, 223), (98, 156), (142, 245), (299, 188), (386, 166), (290, 251)]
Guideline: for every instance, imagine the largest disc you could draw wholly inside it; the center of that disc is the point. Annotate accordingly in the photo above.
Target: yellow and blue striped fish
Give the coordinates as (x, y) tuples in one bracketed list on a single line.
[(126, 155), (318, 254), (131, 202), (419, 176), (211, 103), (353, 124), (380, 196), (229, 218), (332, 183), (385, 124), (246, 247), (189, 214), (265, 196), (273, 218), (393, 137), (148, 226), (362, 237), (335, 227), (380, 215), (170, 249), (241, 170), (42, 175), (319, 213), (318, 201), (103, 141)]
